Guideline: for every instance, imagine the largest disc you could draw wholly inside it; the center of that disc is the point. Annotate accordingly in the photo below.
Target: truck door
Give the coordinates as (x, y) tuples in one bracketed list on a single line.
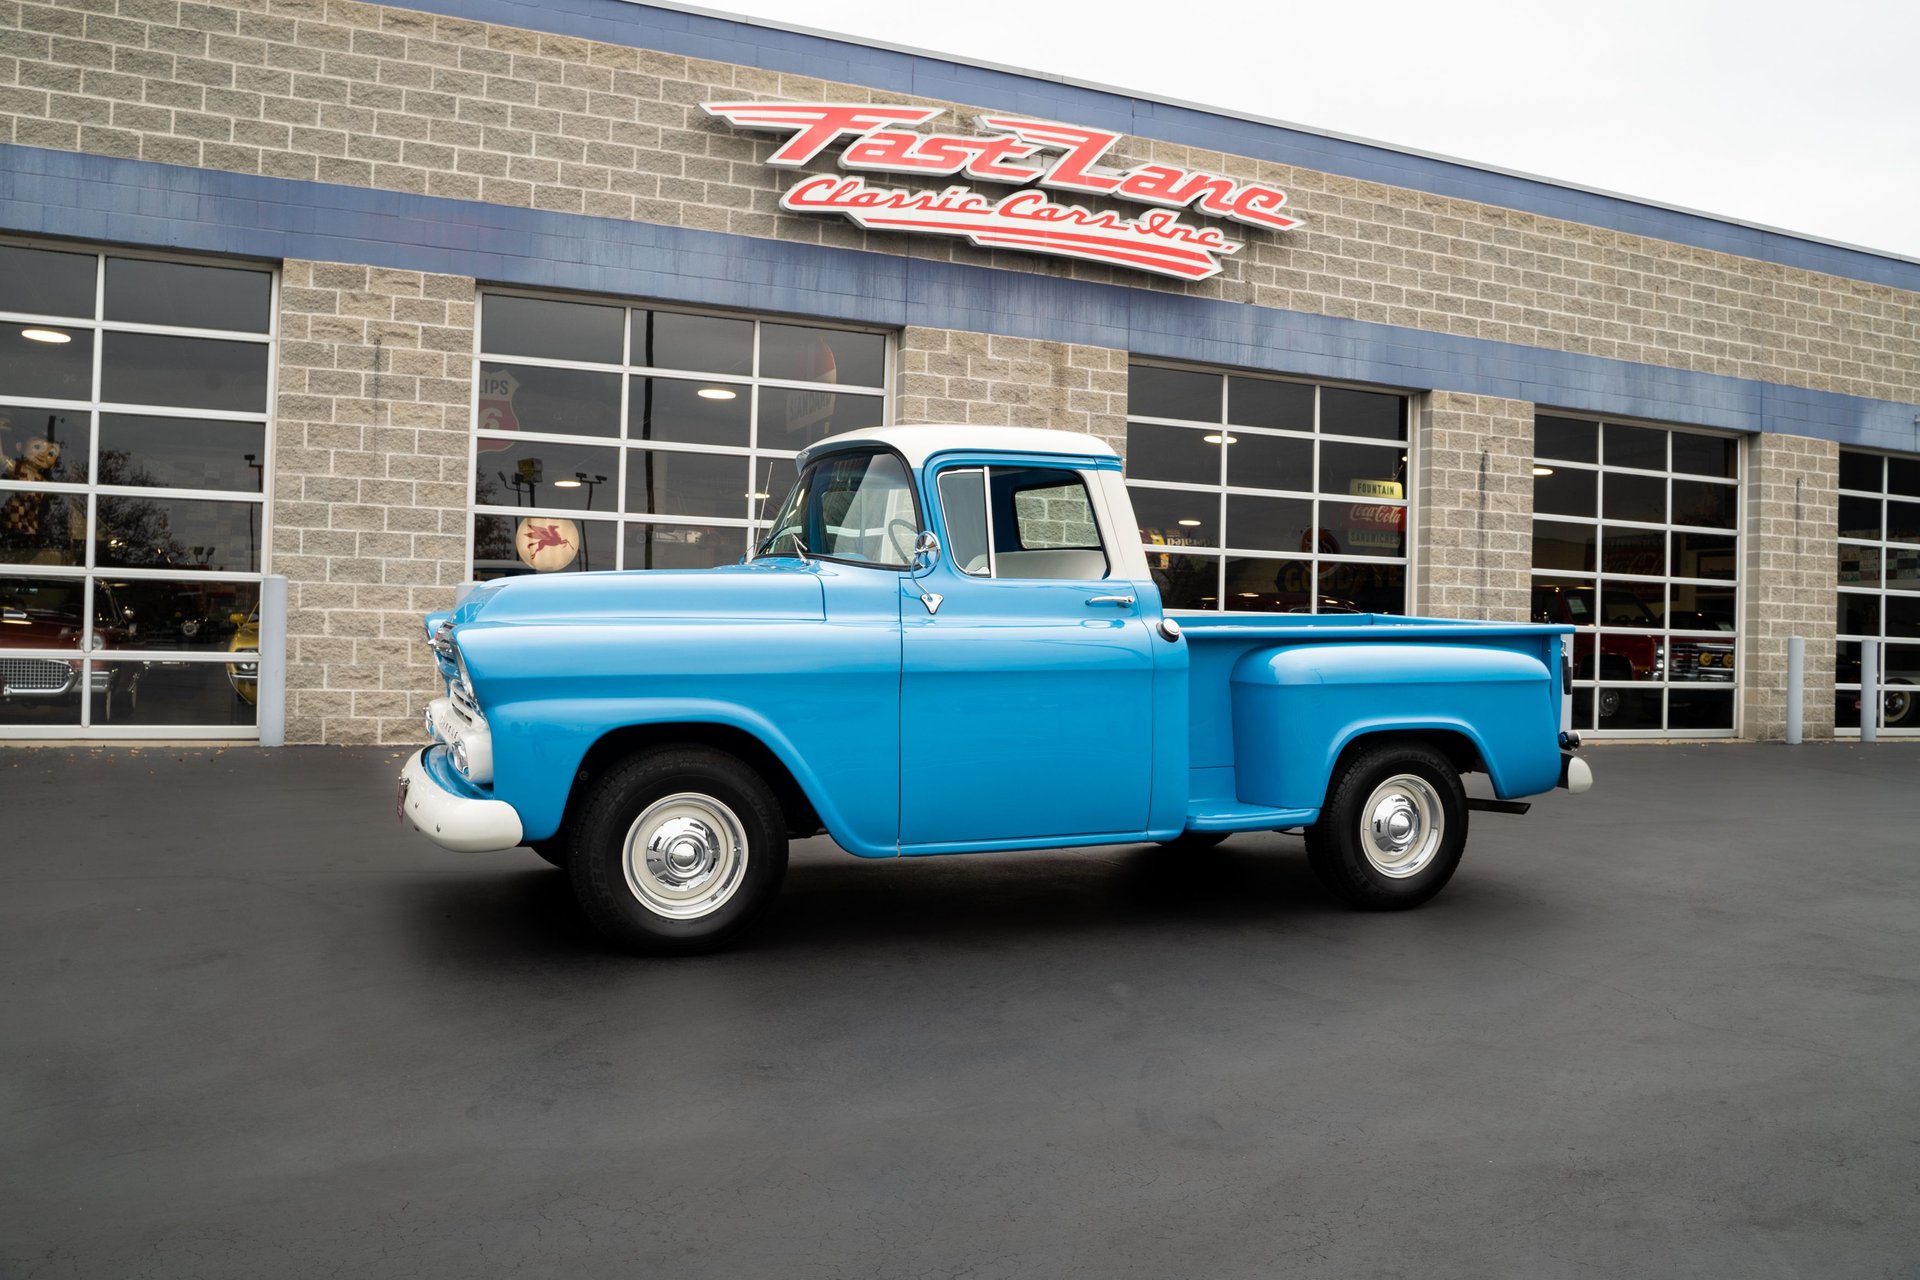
[(1027, 695)]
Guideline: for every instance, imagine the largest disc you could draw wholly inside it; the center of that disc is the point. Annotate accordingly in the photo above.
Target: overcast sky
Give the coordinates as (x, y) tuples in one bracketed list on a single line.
[(1803, 117)]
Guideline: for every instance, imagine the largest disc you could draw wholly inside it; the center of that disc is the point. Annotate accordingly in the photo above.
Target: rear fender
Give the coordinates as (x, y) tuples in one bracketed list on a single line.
[(1295, 709)]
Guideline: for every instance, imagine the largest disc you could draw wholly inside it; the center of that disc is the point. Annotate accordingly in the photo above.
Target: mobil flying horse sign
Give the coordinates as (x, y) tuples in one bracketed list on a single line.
[(1039, 156)]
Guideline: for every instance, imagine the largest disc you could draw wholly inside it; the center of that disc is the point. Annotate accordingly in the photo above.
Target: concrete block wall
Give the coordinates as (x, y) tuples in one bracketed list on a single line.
[(366, 95), (949, 375), (370, 487), (1473, 507), (1789, 571)]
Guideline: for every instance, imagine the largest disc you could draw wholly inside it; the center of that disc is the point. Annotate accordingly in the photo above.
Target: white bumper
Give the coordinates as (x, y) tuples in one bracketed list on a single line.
[(461, 823)]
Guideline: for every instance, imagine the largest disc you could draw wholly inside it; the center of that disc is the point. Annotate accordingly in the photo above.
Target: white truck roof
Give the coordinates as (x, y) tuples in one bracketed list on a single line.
[(918, 443)]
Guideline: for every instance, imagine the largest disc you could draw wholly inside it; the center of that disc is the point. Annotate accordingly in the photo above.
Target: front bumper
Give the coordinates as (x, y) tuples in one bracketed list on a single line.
[(444, 808)]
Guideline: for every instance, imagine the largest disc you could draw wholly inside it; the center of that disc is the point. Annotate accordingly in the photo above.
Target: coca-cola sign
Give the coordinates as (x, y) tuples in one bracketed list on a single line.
[(881, 138)]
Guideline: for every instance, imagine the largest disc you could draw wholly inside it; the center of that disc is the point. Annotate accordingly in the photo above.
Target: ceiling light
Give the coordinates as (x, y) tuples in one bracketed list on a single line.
[(714, 393), (1249, 595), (1542, 471), (1191, 524), (1221, 439), (566, 484), (46, 335)]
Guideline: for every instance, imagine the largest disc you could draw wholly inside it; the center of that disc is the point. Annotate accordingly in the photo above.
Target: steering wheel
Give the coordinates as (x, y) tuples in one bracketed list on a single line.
[(913, 536)]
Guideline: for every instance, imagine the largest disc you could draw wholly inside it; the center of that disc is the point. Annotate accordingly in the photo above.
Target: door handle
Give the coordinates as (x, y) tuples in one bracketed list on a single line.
[(1125, 602)]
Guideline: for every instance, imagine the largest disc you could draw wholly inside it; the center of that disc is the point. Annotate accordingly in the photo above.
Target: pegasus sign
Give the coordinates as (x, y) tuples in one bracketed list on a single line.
[(881, 138)]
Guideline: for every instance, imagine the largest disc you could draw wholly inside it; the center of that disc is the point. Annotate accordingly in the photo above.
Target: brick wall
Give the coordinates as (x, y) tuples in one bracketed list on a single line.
[(1789, 573), (370, 96), (1473, 507), (370, 489), (949, 375)]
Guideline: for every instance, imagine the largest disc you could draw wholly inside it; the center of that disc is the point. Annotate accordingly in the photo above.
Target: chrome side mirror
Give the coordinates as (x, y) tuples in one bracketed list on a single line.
[(926, 552)]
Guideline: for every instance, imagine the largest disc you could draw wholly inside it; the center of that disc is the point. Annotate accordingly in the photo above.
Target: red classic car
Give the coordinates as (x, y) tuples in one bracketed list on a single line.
[(46, 613)]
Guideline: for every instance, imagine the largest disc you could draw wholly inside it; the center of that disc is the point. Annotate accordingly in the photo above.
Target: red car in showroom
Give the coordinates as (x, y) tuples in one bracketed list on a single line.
[(46, 613)]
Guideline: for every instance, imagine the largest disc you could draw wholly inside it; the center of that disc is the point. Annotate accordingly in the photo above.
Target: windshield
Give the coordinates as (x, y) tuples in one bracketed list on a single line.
[(849, 506)]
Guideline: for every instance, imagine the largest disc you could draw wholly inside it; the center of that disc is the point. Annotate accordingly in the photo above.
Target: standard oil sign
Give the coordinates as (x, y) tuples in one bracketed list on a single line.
[(1024, 153)]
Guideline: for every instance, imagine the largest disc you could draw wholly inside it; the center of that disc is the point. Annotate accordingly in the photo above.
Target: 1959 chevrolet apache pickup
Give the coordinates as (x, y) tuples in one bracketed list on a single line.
[(950, 641)]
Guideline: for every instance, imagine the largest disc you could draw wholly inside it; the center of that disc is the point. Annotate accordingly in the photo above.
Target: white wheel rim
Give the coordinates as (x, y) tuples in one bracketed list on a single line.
[(685, 856), (1402, 825)]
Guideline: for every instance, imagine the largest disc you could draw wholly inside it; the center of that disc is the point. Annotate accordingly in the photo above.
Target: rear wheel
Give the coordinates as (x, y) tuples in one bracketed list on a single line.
[(1393, 830), (676, 850)]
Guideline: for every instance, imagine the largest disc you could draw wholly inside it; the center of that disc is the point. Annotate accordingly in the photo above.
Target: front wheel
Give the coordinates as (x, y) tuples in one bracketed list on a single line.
[(677, 850), (1393, 829)]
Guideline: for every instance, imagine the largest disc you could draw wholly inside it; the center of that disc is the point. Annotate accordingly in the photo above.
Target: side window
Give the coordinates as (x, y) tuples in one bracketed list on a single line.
[(865, 510), (1043, 525)]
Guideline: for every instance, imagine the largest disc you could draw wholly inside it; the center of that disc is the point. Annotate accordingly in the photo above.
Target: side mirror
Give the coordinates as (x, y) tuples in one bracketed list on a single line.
[(926, 552)]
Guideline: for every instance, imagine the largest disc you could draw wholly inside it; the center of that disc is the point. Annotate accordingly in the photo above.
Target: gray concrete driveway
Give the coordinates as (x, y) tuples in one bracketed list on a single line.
[(252, 1028)]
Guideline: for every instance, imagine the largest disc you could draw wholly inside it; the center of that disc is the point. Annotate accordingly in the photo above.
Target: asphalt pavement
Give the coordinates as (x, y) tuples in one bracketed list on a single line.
[(250, 1027)]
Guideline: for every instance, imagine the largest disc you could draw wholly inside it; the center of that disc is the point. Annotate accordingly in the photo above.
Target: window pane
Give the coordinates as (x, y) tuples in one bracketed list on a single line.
[(674, 409), (1185, 582), (1860, 518), (1706, 555), (710, 344), (1630, 497), (1260, 584), (792, 419), (1366, 528), (512, 472), (1632, 604), (1361, 470), (141, 291), (1269, 462), (1629, 708), (184, 615), (43, 613), (1563, 601), (43, 444), (1846, 709), (1362, 413), (1705, 455), (1173, 393), (1860, 471), (182, 453), (1566, 492), (1637, 551), (185, 693), (1174, 453), (42, 528), (1557, 545), (177, 533), (1697, 608), (1177, 518), (53, 370), (187, 373), (1859, 566), (526, 397), (683, 546), (1699, 709), (1903, 521), (1274, 524), (505, 546), (1051, 511), (1261, 402), (1857, 615), (1566, 439), (1903, 570), (1363, 588), (797, 354), (687, 484), (1642, 447), (511, 326), (1903, 476), (46, 282), (963, 505), (1903, 616), (1700, 502)]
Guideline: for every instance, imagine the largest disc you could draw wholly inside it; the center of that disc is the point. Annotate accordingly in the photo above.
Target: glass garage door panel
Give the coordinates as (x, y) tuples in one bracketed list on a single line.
[(1877, 584)]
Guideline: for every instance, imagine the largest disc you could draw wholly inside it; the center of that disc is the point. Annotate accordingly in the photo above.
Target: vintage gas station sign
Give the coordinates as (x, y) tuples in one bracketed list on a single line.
[(1036, 155)]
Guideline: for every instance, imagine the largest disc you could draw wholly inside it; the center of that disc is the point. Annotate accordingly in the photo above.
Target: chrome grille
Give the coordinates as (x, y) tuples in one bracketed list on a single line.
[(34, 675)]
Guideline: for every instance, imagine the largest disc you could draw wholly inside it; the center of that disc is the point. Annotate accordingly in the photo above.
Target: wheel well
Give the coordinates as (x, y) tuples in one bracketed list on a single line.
[(615, 746), (1457, 747)]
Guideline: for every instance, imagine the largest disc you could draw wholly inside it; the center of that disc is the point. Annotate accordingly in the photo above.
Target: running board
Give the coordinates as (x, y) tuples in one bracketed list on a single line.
[(1498, 806)]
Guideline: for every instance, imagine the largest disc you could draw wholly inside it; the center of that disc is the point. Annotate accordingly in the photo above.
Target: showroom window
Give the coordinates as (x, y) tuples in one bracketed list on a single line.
[(609, 436), (1879, 586), (134, 438), (1271, 496), (1636, 541)]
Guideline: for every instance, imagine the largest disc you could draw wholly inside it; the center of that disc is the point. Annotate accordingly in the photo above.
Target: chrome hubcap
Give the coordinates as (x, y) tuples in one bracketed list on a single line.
[(685, 856), (1402, 825)]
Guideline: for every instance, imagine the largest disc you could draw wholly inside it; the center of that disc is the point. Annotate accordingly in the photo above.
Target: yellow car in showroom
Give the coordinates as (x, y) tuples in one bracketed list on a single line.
[(245, 676)]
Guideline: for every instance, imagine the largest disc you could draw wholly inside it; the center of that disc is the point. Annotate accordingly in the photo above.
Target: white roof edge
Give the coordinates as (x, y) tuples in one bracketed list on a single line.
[(917, 443), (754, 20)]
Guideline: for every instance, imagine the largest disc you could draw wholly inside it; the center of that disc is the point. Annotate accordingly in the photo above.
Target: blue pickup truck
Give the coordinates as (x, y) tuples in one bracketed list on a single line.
[(950, 641)]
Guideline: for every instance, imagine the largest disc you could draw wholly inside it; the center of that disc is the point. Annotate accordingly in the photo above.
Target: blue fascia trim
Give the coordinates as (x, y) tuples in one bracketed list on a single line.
[(745, 43), (59, 193)]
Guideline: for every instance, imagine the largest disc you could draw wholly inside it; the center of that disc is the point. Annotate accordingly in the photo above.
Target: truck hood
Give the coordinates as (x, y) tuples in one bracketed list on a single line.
[(771, 589)]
